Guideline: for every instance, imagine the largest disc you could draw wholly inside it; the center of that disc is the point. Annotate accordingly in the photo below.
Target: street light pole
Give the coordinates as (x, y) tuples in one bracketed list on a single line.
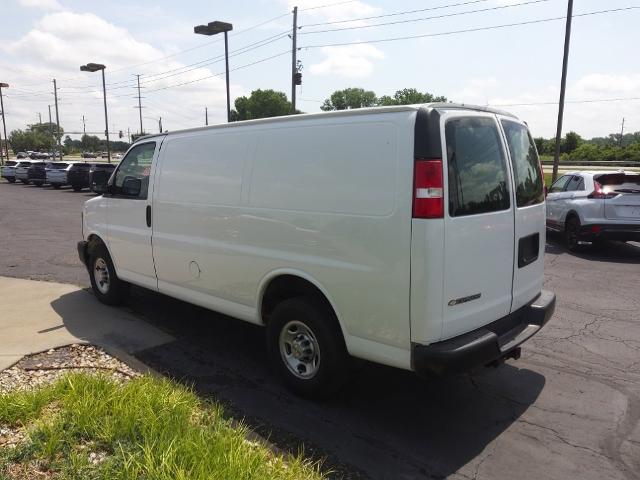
[(106, 118), (226, 70), (213, 28), (4, 124), (94, 67)]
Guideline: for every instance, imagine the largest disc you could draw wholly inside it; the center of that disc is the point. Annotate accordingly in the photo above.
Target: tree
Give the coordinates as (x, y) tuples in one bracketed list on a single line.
[(90, 143), (350, 98), (24, 140), (410, 96), (570, 142), (261, 104)]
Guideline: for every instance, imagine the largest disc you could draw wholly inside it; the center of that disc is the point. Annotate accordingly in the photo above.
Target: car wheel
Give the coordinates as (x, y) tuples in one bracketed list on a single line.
[(105, 283), (26, 182), (306, 347), (11, 180), (571, 233), (76, 188), (56, 186), (37, 184)]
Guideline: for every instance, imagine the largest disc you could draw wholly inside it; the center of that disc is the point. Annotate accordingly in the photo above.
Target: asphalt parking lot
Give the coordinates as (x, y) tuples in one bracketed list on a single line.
[(569, 408)]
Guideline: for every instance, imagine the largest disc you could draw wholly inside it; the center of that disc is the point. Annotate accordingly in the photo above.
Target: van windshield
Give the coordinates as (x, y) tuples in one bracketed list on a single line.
[(526, 164)]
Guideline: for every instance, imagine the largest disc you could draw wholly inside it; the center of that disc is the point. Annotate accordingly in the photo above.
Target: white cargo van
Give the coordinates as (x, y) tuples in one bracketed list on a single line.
[(411, 236)]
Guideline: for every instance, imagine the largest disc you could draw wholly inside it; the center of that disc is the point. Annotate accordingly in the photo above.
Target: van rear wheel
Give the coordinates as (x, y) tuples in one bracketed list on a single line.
[(106, 285), (306, 347)]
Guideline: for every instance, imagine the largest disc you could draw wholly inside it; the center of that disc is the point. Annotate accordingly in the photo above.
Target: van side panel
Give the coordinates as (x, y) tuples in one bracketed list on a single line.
[(327, 197), (333, 199), (196, 217)]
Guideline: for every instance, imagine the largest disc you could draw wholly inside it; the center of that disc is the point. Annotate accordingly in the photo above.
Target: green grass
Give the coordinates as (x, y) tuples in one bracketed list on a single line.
[(148, 428), (547, 178)]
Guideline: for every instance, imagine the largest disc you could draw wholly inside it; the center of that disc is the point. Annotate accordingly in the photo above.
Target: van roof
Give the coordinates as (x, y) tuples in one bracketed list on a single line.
[(338, 113)]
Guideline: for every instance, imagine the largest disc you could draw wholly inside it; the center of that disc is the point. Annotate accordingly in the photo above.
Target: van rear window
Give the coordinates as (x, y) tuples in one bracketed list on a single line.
[(476, 166), (526, 164)]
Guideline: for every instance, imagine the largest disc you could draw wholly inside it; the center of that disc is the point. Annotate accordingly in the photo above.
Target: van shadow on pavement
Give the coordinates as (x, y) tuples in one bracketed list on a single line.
[(387, 423)]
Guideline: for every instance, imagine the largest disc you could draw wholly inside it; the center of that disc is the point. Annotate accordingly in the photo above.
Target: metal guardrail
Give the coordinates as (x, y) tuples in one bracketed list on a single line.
[(591, 163)]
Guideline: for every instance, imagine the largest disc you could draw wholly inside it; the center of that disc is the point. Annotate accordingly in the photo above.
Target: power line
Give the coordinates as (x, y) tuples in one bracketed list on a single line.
[(468, 30), (404, 12), (413, 20), (186, 68), (221, 73), (325, 6), (597, 100)]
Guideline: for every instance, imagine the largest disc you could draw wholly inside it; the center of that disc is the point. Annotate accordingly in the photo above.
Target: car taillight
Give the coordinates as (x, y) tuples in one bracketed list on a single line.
[(599, 193), (428, 189)]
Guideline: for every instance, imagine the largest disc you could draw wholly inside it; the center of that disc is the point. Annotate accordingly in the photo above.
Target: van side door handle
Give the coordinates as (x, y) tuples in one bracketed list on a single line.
[(148, 215)]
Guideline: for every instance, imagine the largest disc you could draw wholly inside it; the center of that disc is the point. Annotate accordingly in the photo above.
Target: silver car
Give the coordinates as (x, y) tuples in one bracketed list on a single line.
[(594, 206)]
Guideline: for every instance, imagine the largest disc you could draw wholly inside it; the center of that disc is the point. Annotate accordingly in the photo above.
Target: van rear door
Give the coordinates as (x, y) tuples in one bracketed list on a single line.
[(479, 222), (528, 262)]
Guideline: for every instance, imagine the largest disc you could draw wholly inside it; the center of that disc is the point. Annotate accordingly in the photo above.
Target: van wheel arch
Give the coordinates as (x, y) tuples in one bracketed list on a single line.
[(287, 286), (94, 241)]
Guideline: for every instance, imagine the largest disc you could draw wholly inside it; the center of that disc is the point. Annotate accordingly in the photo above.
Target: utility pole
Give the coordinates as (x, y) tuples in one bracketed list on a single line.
[(206, 116), (563, 86), (84, 126), (4, 124), (294, 53), (622, 132), (55, 95), (129, 134), (40, 118), (160, 124), (140, 105)]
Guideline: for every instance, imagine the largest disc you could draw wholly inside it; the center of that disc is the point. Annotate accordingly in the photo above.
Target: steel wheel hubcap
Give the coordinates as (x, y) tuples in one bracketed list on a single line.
[(299, 349), (101, 275)]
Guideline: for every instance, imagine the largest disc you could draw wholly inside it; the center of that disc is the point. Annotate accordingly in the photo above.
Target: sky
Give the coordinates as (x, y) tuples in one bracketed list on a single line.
[(516, 68)]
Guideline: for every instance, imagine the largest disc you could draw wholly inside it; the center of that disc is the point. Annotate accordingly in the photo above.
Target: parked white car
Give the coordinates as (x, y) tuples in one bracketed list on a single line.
[(412, 236), (594, 206), (57, 173), (22, 171), (8, 171)]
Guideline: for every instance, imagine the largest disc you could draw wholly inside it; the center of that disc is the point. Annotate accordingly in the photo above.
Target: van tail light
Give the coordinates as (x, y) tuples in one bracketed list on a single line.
[(599, 193), (428, 201)]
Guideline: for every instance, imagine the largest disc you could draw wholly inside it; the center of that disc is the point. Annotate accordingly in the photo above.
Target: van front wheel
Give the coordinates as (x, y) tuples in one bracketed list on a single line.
[(106, 285), (306, 347)]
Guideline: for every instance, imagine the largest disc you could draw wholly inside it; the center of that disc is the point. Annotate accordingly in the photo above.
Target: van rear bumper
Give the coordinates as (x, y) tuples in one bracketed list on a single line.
[(487, 344)]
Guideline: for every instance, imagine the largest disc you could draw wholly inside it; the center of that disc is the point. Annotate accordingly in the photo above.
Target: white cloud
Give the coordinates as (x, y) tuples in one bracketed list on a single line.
[(539, 107), (43, 4), (62, 41), (351, 61)]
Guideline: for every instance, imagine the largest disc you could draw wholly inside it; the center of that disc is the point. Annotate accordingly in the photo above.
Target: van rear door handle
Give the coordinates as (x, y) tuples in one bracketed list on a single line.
[(148, 215)]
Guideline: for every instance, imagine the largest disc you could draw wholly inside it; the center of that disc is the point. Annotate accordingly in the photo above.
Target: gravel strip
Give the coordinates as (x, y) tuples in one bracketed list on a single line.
[(46, 367)]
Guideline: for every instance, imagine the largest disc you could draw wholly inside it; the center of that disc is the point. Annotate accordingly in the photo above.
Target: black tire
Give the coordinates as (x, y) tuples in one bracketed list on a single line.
[(37, 184), (115, 291), (26, 182), (332, 366), (76, 188), (56, 186), (11, 180), (571, 233)]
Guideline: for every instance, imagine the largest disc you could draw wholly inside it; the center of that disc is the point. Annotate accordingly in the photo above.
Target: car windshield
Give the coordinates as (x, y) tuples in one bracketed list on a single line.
[(58, 165)]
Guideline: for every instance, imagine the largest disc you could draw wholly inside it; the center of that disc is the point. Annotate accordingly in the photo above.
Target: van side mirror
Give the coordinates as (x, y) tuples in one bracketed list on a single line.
[(131, 186)]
